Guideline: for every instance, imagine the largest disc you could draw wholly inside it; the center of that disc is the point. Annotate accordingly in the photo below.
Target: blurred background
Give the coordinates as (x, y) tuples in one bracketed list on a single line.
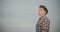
[(22, 15)]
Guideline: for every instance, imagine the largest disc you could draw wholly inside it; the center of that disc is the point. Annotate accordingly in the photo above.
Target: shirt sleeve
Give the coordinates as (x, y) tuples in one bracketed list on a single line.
[(46, 25)]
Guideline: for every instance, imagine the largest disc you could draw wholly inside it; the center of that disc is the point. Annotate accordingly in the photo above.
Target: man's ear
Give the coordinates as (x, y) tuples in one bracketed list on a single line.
[(45, 12)]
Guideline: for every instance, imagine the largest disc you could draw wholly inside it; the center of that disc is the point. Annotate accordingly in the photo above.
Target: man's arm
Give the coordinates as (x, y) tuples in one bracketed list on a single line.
[(46, 25)]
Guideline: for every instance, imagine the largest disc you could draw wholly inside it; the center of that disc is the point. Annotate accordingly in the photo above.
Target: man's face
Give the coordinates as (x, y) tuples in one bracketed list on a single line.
[(41, 12)]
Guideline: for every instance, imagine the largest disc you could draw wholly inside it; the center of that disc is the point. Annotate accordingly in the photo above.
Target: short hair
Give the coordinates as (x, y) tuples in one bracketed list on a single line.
[(45, 9)]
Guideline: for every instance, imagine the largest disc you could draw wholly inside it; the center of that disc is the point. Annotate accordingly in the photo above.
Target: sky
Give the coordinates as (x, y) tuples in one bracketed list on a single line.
[(22, 15)]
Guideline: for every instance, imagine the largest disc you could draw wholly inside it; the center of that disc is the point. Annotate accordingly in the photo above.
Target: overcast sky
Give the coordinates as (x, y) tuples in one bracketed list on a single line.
[(22, 15)]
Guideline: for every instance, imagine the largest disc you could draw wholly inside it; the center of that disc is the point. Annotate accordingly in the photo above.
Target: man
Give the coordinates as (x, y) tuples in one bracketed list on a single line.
[(43, 23)]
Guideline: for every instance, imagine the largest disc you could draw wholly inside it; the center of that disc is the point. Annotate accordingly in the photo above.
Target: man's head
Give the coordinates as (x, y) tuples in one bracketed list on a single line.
[(42, 10)]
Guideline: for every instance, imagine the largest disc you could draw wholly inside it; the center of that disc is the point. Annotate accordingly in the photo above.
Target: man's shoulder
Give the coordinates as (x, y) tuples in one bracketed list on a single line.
[(46, 18)]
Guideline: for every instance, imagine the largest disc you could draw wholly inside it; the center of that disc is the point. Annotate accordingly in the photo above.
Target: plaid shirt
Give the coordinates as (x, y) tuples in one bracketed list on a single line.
[(43, 24)]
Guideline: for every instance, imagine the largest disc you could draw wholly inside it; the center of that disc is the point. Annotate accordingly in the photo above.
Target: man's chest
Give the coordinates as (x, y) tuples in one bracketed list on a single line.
[(42, 21)]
